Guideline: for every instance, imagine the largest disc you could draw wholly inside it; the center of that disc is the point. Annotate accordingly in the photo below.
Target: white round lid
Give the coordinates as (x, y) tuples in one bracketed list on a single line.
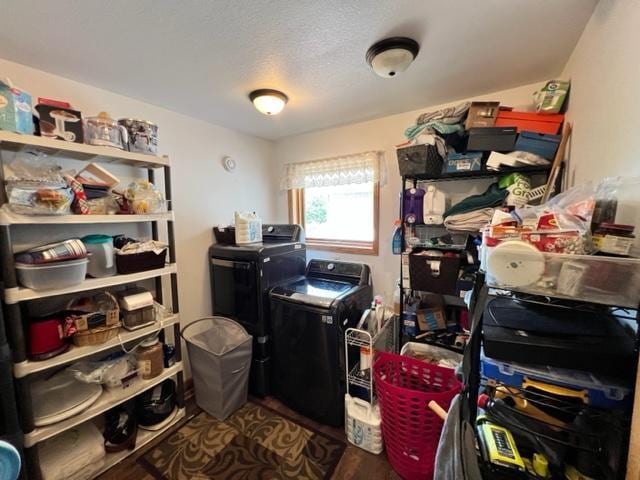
[(515, 264), (61, 397)]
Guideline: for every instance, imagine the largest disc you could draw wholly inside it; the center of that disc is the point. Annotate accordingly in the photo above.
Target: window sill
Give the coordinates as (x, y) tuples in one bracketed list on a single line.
[(342, 246)]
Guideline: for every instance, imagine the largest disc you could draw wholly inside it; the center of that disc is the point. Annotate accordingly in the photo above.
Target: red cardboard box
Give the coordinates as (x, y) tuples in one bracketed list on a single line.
[(532, 122)]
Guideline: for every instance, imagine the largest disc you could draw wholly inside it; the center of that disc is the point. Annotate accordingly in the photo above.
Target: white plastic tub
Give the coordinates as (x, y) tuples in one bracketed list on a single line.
[(52, 275)]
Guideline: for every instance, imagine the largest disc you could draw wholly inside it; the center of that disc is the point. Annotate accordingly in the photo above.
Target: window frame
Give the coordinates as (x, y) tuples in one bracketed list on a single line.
[(296, 215)]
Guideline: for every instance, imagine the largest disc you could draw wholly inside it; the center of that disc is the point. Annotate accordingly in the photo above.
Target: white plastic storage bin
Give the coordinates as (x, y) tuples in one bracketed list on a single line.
[(432, 354), (52, 275), (606, 280), (363, 424)]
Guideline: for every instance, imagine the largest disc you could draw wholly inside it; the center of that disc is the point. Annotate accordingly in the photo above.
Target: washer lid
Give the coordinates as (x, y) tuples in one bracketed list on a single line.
[(515, 264), (60, 397), (313, 291)]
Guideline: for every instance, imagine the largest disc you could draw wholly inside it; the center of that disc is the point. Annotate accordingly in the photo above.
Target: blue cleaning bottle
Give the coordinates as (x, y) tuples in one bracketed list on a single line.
[(396, 242)]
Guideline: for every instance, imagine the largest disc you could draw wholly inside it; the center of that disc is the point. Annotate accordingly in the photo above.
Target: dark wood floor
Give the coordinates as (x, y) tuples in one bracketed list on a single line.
[(356, 464)]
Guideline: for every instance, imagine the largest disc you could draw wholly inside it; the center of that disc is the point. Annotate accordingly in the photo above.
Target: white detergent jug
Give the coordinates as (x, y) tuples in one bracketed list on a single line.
[(248, 228), (435, 204), (363, 424)]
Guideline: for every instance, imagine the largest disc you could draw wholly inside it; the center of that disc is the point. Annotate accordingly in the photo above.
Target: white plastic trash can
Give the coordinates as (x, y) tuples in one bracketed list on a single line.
[(220, 358)]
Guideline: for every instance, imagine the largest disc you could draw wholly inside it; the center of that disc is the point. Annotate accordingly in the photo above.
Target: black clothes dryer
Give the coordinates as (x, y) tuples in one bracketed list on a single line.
[(241, 277)]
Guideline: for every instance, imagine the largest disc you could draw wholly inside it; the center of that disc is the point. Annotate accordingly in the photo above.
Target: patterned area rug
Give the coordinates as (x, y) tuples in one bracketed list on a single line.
[(255, 443)]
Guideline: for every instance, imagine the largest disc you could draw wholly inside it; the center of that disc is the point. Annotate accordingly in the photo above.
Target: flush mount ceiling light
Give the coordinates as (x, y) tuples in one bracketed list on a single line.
[(267, 101), (391, 56)]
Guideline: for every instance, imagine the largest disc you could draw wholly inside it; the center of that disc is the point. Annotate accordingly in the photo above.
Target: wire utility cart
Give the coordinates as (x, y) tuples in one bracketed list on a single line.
[(385, 340), (15, 296)]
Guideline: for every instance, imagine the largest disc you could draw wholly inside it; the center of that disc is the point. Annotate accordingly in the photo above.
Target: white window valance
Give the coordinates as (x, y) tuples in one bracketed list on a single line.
[(344, 170)]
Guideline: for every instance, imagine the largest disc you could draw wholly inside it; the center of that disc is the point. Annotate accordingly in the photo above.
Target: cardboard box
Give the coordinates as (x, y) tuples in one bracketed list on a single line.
[(60, 122), (431, 319), (463, 162), (482, 114), (15, 110), (529, 121)]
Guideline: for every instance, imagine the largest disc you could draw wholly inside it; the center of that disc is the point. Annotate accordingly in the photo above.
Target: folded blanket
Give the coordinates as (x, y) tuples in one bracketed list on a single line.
[(494, 196), (449, 115), (469, 221)]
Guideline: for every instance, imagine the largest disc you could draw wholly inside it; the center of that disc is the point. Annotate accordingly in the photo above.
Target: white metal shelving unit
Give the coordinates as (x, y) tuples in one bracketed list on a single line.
[(14, 295)]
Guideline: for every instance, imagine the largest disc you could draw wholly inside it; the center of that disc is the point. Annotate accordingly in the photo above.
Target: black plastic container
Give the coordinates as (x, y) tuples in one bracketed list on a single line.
[(425, 279), (420, 160), (495, 139), (140, 262)]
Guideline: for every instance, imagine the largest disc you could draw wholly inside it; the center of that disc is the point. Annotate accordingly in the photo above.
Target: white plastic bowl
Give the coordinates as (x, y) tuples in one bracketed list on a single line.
[(52, 275)]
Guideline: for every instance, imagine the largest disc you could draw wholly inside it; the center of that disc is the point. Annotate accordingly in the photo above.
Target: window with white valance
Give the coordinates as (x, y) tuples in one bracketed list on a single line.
[(337, 201), (344, 170)]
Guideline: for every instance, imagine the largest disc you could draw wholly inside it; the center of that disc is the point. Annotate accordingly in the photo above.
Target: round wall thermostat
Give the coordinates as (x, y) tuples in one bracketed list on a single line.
[(228, 163)]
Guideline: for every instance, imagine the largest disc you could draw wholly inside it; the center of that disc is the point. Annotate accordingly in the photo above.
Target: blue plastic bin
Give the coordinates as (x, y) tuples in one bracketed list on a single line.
[(598, 391), (543, 144)]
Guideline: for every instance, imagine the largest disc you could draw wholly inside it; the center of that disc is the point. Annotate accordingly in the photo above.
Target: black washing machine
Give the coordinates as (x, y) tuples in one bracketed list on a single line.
[(241, 277), (309, 317)]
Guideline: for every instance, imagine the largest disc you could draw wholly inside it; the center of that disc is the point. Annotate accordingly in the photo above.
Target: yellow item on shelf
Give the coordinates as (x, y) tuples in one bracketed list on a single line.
[(499, 447), (572, 473), (526, 407), (583, 395), (541, 465)]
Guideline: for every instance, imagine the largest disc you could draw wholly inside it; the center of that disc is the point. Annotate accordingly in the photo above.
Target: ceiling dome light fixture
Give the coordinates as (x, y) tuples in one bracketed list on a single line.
[(267, 101), (391, 56)]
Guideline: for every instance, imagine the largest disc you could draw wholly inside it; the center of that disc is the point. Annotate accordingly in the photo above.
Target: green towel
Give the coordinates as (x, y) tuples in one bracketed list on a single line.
[(494, 196)]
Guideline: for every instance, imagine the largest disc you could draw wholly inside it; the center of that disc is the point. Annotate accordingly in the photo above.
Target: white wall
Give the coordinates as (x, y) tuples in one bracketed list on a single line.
[(379, 134), (204, 194), (605, 93), (604, 106)]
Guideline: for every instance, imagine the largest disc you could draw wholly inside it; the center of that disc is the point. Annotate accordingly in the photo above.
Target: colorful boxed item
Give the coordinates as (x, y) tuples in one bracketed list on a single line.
[(59, 120), (463, 162), (15, 110)]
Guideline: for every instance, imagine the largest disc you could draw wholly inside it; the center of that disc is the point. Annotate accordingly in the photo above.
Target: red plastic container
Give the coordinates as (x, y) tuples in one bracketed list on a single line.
[(410, 429), (529, 121)]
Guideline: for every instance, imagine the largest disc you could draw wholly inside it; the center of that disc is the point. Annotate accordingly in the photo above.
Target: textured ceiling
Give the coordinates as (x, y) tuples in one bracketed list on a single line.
[(202, 57)]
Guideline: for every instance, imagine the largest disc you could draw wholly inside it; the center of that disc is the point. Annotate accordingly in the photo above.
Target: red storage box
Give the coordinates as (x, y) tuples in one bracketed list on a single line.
[(529, 121)]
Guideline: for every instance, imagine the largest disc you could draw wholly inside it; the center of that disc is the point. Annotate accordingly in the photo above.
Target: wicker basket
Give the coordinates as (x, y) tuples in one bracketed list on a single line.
[(95, 336), (81, 319)]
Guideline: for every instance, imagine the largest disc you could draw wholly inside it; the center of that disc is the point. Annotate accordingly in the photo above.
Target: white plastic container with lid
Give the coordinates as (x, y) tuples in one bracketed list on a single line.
[(248, 228), (52, 275), (102, 259), (363, 424), (435, 204)]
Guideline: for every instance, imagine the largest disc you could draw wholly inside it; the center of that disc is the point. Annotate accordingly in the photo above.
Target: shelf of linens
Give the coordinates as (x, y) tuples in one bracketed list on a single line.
[(110, 398), (28, 367), (7, 217), (532, 170), (79, 151), (143, 438), (21, 294)]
